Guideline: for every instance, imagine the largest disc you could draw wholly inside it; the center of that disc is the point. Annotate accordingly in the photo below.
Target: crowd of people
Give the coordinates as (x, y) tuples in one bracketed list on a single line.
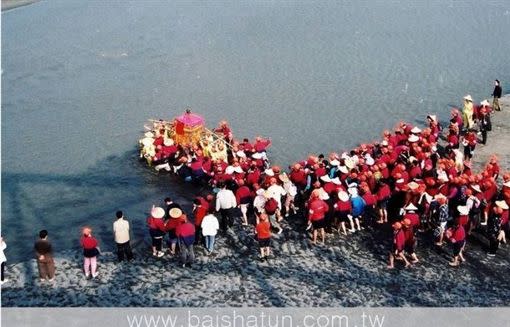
[(415, 179)]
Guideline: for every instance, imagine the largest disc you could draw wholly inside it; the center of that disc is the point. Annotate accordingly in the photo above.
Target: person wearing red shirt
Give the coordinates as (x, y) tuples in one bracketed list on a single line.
[(261, 144), (398, 246), (185, 232), (200, 209), (263, 231), (90, 252), (316, 215), (177, 218), (411, 214), (383, 196), (157, 230), (457, 237), (410, 241), (370, 213), (244, 198), (343, 210), (298, 176)]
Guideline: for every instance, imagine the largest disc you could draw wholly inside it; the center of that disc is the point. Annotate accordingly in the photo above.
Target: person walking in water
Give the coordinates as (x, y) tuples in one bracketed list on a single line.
[(498, 90)]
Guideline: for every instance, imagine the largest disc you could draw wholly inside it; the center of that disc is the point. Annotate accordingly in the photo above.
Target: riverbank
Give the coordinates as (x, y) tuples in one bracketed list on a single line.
[(347, 271), (11, 4)]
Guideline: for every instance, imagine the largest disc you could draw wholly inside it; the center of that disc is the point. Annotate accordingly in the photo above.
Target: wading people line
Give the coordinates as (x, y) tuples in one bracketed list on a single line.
[(409, 180)]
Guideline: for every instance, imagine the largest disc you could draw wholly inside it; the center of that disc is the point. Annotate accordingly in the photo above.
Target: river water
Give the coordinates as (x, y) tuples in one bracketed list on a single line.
[(80, 78)]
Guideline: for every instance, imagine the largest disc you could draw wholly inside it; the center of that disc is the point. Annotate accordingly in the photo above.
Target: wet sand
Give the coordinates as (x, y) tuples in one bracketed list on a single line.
[(11, 4), (347, 271)]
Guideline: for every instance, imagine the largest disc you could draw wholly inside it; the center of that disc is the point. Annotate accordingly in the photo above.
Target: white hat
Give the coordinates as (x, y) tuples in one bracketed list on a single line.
[(343, 196), (476, 188), (168, 142), (241, 154), (256, 156), (238, 170), (325, 178), (416, 130), (433, 117), (229, 170), (384, 143), (334, 162), (507, 184), (463, 210), (412, 158), (413, 185), (411, 207), (349, 162), (148, 134), (336, 181), (269, 172), (147, 141), (323, 195), (343, 169), (485, 103), (352, 185), (468, 98), (369, 160), (158, 212), (413, 138), (260, 191), (502, 204)]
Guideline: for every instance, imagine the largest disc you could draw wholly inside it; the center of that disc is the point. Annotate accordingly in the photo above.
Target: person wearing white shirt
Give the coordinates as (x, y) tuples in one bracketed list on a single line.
[(3, 259), (225, 204), (210, 226), (121, 233)]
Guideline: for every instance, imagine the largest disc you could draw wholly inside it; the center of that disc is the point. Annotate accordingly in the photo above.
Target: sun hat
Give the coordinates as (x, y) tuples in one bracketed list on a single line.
[(256, 156), (507, 184), (334, 162), (413, 186), (325, 178), (485, 103), (463, 210), (416, 130), (369, 160), (343, 196), (323, 195), (148, 141), (413, 138), (269, 172), (283, 177), (175, 213), (260, 191), (468, 98), (411, 207), (241, 154), (476, 188), (229, 170), (158, 212), (353, 191), (502, 204), (168, 142), (336, 181)]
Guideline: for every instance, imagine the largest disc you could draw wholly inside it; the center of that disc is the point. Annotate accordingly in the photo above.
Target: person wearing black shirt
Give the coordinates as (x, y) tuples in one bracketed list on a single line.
[(496, 94)]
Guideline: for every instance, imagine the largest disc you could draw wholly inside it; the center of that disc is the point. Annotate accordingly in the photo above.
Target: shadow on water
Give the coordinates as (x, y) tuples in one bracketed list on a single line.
[(63, 203)]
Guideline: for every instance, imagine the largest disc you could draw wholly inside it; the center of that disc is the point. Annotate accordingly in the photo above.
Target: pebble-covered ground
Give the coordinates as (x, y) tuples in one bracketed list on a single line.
[(346, 271)]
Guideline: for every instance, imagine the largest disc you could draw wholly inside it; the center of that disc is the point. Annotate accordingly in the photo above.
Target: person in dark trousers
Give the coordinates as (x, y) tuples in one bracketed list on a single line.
[(169, 205), (121, 234), (186, 235), (498, 90), (493, 229), (484, 121), (44, 256), (3, 259)]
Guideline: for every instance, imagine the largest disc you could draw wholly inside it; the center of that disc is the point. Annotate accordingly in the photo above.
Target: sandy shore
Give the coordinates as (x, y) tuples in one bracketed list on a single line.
[(347, 271), (11, 4)]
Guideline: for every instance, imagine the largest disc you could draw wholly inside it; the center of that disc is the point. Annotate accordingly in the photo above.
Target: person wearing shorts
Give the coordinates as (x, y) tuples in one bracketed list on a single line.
[(263, 231)]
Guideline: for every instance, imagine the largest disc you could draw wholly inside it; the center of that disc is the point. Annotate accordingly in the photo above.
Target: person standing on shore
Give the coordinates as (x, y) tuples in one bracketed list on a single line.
[(498, 90), (263, 231), (467, 112), (3, 259), (90, 252), (225, 205), (121, 234), (457, 237), (186, 235), (157, 229), (44, 256), (210, 226)]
